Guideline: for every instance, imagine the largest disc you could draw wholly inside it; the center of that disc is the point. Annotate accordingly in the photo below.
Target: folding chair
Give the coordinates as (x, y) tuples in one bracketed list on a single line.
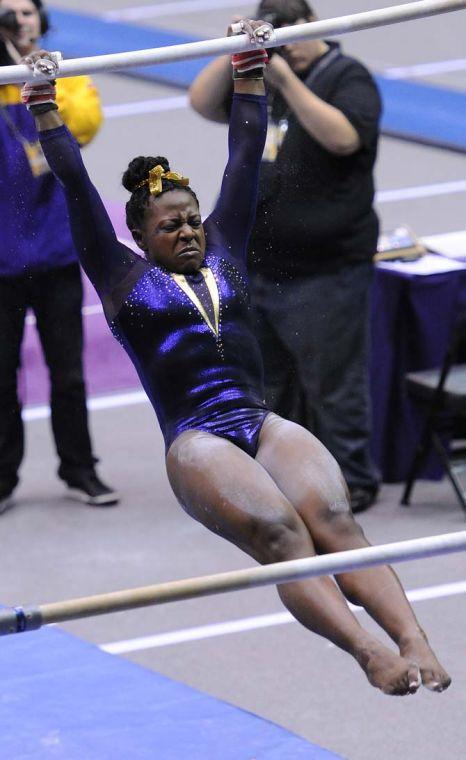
[(443, 392)]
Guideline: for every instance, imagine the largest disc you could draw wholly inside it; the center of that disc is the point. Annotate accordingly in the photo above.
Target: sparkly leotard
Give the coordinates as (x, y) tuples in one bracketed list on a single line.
[(195, 355)]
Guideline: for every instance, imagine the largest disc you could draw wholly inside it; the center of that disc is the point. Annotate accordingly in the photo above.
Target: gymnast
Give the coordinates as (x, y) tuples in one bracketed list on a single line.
[(182, 314)]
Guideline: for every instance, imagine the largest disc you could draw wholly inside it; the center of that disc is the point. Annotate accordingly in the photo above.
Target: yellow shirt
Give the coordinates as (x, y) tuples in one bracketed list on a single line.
[(78, 103)]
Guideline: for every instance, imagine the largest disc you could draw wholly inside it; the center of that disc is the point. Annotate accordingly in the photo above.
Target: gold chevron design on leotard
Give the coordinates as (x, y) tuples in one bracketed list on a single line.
[(212, 287)]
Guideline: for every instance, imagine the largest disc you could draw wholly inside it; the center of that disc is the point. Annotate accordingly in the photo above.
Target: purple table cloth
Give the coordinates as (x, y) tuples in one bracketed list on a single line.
[(412, 320)]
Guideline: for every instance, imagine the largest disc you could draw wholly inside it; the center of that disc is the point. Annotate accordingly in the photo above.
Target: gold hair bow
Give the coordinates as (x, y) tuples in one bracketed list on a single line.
[(157, 174)]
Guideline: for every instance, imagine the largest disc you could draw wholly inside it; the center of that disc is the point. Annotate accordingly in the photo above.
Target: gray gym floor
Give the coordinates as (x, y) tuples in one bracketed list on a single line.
[(54, 549)]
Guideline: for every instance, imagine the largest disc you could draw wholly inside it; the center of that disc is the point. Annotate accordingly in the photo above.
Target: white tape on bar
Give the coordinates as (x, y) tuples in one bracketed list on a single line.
[(228, 45)]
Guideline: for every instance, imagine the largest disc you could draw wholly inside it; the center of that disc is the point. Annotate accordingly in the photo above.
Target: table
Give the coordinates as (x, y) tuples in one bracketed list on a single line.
[(412, 318)]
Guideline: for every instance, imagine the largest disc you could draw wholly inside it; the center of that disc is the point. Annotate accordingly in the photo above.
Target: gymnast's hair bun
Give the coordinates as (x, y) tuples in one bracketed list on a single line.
[(139, 168)]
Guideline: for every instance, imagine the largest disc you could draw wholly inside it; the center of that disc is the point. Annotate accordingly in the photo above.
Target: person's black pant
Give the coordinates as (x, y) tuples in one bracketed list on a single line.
[(55, 297), (314, 337)]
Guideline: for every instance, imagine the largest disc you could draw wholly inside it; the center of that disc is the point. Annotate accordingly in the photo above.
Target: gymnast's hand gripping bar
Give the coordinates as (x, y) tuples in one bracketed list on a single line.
[(19, 619), (237, 44)]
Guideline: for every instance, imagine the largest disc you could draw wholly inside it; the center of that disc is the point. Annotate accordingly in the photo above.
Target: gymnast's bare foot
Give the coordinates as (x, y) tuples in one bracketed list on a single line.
[(387, 671), (416, 649)]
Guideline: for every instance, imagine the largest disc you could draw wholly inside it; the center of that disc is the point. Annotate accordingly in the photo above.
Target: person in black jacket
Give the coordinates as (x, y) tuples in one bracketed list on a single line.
[(310, 254)]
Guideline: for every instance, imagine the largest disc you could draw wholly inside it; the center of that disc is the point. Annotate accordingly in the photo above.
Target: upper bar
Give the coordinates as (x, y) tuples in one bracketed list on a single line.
[(314, 30)]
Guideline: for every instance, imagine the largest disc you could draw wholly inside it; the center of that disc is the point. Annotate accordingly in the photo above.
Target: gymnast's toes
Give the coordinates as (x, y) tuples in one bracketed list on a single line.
[(434, 677)]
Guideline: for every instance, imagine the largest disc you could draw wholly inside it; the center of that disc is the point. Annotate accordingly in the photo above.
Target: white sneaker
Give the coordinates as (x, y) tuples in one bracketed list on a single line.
[(88, 488)]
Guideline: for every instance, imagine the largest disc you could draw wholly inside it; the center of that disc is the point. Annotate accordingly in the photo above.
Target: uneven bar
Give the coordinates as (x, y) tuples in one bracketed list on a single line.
[(19, 619), (314, 30)]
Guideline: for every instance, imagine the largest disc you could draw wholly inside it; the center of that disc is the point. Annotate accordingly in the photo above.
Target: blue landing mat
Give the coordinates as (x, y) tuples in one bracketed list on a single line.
[(412, 111), (423, 113), (64, 699)]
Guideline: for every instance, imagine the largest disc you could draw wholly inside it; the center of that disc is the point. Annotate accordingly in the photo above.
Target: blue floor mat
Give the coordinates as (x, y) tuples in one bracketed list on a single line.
[(65, 699), (424, 113)]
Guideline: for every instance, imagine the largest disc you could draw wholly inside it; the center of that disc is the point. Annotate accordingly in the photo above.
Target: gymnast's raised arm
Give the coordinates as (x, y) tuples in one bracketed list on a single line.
[(104, 259), (233, 216)]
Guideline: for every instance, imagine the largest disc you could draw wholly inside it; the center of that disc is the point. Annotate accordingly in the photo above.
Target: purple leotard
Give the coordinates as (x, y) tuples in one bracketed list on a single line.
[(197, 359)]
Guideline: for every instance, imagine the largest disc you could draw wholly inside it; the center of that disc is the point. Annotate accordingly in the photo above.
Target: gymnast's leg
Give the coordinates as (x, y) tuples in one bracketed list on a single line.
[(233, 495), (310, 478)]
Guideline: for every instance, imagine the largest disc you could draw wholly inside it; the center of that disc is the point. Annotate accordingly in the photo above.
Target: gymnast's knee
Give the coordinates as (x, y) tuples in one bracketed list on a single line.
[(336, 529), (280, 539)]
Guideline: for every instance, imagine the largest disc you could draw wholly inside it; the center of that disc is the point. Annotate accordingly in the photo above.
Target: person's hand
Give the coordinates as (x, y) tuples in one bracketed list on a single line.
[(234, 21), (257, 31), (278, 72), (250, 64), (41, 96), (43, 63)]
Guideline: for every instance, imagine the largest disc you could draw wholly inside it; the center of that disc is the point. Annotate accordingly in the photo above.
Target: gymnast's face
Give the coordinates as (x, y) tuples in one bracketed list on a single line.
[(172, 234)]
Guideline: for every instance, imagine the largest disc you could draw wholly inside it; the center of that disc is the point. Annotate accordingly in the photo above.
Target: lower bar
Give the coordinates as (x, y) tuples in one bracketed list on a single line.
[(16, 620)]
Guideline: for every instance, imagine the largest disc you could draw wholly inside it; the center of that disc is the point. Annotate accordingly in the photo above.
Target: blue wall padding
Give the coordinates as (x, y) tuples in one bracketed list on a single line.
[(77, 35), (424, 113), (412, 111), (64, 699)]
